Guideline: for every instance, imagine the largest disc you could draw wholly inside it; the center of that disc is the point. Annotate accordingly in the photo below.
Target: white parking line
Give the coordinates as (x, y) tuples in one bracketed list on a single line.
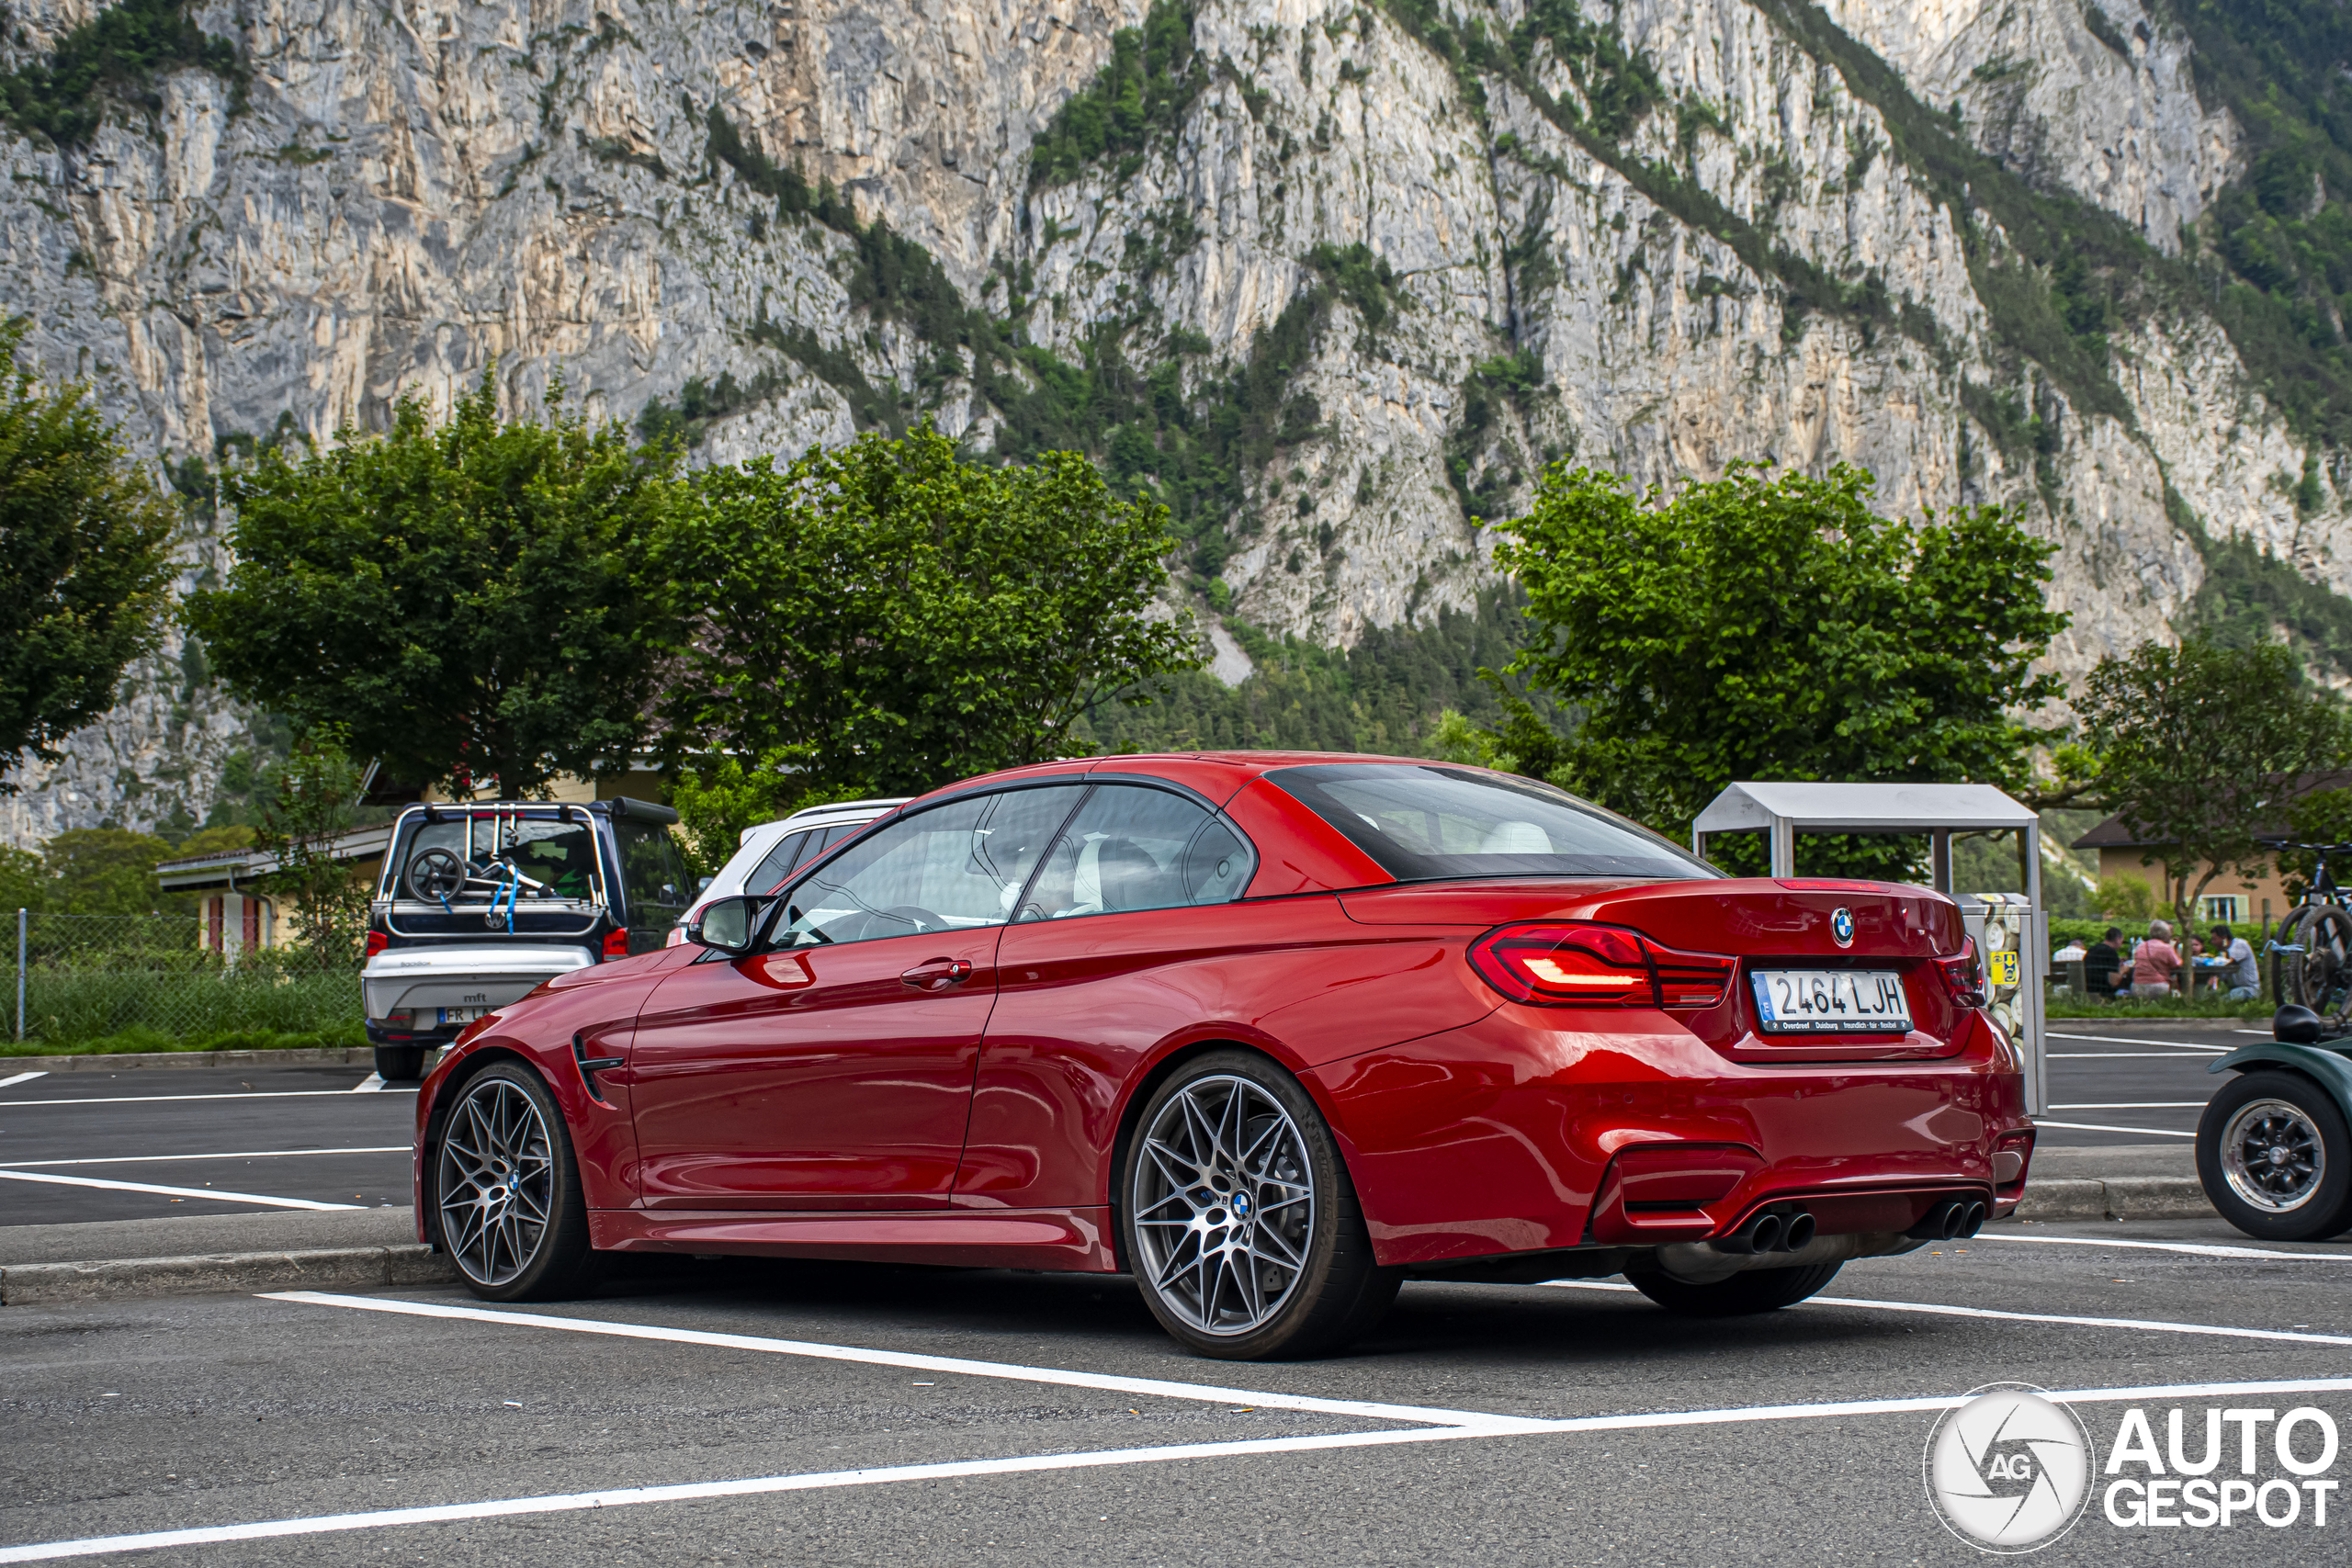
[(157, 1099), (2097, 1127), (24, 1078), (1936, 1309), (2123, 1056), (2194, 1249), (1152, 1387), (369, 1084), (2135, 1105), (160, 1159), (770, 1484), (2127, 1040), (168, 1191)]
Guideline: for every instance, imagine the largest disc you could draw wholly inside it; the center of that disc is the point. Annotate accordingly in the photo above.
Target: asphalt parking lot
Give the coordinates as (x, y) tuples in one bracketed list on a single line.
[(729, 1411)]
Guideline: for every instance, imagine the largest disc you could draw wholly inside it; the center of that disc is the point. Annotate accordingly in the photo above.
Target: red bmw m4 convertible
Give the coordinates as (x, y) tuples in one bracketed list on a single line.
[(1271, 1032)]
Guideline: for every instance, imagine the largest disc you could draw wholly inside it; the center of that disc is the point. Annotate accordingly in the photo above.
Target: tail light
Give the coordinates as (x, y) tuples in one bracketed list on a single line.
[(616, 944), (1561, 964), (1961, 981), (377, 943)]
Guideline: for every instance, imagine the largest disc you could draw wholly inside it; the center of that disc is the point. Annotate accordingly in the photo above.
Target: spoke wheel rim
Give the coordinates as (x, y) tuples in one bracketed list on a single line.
[(1224, 1205), (495, 1182), (2273, 1156)]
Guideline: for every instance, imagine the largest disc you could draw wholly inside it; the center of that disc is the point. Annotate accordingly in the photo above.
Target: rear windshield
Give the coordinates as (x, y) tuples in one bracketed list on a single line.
[(542, 857), (1422, 822)]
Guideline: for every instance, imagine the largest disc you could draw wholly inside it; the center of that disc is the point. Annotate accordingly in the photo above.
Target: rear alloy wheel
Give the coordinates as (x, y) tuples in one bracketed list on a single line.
[(1749, 1291), (2274, 1157), (1239, 1221), (506, 1192)]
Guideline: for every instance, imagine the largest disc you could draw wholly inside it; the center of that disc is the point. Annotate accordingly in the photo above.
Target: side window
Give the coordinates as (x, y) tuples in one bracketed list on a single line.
[(1132, 848), (953, 866), (652, 872), (778, 864)]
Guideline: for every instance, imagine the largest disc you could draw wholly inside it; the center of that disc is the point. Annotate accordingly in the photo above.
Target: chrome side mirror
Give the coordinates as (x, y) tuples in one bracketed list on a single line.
[(727, 924)]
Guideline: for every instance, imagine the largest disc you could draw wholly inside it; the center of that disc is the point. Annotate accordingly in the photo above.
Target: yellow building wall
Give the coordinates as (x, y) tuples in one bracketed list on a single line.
[(2252, 894)]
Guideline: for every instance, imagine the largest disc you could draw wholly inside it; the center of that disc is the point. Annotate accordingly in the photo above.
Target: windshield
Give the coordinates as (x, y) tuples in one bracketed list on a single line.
[(1426, 821)]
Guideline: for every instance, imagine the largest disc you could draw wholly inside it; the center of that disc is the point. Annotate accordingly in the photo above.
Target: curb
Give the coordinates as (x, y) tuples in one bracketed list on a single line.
[(298, 1056), (2116, 1198), (336, 1267)]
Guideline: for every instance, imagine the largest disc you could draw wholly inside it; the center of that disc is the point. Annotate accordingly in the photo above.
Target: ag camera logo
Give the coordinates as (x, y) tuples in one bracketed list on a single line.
[(2009, 1471)]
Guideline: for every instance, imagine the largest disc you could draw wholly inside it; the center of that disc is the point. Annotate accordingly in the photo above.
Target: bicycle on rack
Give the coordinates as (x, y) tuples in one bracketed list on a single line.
[(2316, 938)]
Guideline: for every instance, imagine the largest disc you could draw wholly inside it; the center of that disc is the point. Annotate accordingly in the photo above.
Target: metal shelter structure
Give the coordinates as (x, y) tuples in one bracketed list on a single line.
[(2011, 930)]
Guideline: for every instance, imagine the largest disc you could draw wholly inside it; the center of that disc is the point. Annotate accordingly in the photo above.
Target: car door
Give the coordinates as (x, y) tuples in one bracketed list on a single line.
[(835, 1070), (1114, 947)]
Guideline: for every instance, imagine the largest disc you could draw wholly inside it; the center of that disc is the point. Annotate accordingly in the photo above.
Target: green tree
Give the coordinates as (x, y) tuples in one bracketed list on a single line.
[(85, 560), (1771, 628), (882, 618), (314, 802), (2198, 745), (106, 871), (24, 884), (455, 596)]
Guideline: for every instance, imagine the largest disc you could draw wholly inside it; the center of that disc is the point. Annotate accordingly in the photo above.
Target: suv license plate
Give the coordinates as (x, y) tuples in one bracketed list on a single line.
[(1831, 1001), (461, 1015)]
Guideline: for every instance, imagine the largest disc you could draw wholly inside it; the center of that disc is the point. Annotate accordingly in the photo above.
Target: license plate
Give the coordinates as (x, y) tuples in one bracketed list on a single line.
[(461, 1015), (1831, 1001)]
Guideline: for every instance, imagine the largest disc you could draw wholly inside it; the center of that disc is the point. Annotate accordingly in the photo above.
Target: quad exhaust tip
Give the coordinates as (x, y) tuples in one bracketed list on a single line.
[(1770, 1232), (1954, 1219)]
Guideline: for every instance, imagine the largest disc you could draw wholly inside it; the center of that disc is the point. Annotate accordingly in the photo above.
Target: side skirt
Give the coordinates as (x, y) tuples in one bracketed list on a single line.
[(1060, 1240)]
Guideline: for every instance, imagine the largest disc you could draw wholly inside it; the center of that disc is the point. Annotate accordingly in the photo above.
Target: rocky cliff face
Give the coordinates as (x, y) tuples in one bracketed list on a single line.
[(1337, 276)]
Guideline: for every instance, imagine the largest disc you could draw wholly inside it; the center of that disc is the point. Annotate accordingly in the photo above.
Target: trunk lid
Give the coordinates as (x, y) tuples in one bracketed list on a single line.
[(1784, 927)]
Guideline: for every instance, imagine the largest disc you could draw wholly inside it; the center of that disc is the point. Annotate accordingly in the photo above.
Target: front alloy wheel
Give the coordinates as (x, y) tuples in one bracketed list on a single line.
[(507, 1191), (1241, 1223), (2274, 1155)]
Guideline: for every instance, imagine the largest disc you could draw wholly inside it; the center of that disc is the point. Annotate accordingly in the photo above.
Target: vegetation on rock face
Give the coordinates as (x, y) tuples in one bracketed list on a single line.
[(1391, 693), (1772, 627), (1151, 80), (455, 596), (85, 560), (2250, 596), (119, 55), (885, 618)]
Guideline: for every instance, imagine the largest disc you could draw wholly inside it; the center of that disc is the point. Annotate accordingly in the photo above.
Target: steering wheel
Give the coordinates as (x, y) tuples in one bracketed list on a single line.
[(914, 915), (436, 875)]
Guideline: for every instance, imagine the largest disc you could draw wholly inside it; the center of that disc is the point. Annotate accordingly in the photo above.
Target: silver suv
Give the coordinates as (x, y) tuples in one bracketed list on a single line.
[(478, 904)]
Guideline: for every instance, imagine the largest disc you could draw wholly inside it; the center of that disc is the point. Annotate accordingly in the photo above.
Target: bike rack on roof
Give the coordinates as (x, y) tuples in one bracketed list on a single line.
[(2011, 930)]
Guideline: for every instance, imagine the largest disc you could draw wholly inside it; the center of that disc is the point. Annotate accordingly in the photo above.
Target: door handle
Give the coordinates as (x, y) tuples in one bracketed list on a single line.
[(938, 974)]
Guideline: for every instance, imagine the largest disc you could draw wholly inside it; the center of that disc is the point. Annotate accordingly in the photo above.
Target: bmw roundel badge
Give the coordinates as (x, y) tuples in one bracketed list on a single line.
[(1841, 926)]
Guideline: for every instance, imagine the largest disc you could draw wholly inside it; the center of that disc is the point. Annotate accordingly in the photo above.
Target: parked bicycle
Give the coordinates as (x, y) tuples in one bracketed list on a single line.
[(2314, 939)]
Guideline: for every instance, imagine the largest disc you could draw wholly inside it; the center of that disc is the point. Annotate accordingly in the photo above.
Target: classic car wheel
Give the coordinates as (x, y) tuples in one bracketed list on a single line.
[(507, 1191), (2274, 1157), (1239, 1221), (1749, 1291)]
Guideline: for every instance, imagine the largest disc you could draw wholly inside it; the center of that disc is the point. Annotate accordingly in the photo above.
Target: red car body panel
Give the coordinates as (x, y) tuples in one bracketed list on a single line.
[(813, 1103)]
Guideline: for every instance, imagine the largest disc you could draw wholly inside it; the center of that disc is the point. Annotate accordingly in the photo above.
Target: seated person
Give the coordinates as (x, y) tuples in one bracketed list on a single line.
[(2103, 963), (2154, 963), (2241, 975)]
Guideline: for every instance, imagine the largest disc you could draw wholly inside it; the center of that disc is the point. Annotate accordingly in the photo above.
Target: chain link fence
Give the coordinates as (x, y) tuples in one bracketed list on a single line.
[(84, 977)]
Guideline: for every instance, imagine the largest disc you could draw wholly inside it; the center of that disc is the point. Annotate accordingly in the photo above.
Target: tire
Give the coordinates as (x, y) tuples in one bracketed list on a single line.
[(2319, 976), (2275, 1157), (1231, 1159), (507, 1205), (1749, 1291), (399, 1064)]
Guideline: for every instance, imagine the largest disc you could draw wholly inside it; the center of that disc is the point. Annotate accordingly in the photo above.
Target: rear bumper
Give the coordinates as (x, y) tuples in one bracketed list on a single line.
[(414, 979), (1505, 1135)]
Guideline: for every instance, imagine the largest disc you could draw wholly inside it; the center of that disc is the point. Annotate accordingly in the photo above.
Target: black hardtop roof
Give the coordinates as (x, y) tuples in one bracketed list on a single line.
[(619, 806)]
